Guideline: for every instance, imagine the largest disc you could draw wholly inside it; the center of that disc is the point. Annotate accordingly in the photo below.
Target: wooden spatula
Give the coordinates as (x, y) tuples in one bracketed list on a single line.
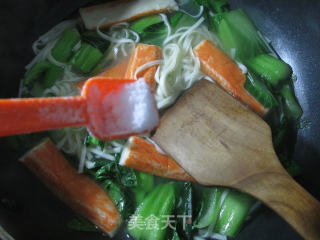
[(110, 108), (218, 141)]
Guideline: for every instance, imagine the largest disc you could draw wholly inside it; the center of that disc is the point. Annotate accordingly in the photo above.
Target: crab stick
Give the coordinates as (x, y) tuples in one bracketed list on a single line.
[(142, 54), (123, 11), (216, 64), (78, 191), (144, 156)]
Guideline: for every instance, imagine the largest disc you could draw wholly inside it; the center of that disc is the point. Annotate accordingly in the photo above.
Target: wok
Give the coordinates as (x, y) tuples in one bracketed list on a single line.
[(29, 211)]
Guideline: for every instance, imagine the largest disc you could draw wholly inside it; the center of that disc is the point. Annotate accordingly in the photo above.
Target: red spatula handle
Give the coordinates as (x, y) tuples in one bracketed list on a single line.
[(19, 116)]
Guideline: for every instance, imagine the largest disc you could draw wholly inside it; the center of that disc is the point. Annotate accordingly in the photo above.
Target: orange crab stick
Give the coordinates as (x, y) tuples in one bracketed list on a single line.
[(142, 54), (107, 108), (78, 191), (216, 64), (144, 156)]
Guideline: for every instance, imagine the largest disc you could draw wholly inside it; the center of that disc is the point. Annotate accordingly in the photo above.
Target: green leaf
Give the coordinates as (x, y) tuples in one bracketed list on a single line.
[(145, 181), (157, 204), (292, 107), (274, 71), (52, 75), (154, 35), (36, 71), (127, 176), (259, 91), (218, 6), (105, 169), (185, 208), (119, 197), (92, 140), (62, 50), (210, 207), (142, 23), (236, 31), (234, 211), (86, 58)]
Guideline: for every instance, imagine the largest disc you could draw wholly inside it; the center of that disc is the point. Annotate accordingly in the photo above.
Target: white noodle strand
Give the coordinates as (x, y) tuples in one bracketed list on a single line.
[(145, 66), (166, 22), (82, 159), (102, 154), (180, 68)]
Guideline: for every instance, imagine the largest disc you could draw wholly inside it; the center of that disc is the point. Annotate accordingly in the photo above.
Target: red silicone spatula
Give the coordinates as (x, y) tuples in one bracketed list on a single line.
[(110, 108)]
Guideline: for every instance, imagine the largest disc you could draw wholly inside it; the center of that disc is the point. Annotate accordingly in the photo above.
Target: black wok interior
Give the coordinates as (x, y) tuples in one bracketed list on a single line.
[(29, 211)]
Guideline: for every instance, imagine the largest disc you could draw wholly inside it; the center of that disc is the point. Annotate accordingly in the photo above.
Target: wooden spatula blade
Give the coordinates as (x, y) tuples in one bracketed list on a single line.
[(207, 129)]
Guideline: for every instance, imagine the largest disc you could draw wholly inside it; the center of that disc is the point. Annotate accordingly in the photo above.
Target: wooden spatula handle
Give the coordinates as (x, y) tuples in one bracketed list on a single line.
[(19, 116), (286, 197)]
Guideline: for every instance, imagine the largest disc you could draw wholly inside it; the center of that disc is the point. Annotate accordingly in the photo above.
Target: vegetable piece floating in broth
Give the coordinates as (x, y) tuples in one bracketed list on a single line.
[(62, 50), (234, 210), (237, 33), (148, 222), (86, 58), (274, 71)]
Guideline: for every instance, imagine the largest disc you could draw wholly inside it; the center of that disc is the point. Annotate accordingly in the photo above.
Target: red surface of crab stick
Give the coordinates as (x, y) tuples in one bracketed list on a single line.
[(79, 192)]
